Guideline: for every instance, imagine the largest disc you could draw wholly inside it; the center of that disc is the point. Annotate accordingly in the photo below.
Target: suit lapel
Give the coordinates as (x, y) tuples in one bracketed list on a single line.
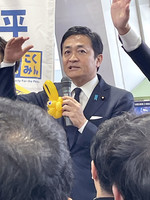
[(98, 97)]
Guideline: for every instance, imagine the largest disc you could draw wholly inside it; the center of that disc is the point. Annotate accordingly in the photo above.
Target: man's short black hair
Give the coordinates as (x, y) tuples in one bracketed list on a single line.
[(99, 145), (95, 39), (125, 155)]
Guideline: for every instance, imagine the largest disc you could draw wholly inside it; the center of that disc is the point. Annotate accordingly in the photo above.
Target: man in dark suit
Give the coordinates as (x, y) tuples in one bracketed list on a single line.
[(82, 55), (132, 44)]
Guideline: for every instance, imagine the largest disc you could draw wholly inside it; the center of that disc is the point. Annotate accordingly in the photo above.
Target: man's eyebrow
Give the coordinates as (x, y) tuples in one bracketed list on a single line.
[(78, 46), (67, 47)]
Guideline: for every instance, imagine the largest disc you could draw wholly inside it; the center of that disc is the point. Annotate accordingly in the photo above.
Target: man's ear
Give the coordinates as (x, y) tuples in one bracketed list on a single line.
[(116, 193), (99, 59), (93, 171)]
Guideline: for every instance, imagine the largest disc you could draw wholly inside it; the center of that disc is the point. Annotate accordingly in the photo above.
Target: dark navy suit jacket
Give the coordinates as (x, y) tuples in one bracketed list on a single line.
[(105, 102), (141, 56)]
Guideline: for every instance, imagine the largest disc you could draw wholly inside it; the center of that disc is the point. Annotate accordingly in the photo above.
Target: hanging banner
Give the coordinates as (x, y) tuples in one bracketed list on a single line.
[(35, 19)]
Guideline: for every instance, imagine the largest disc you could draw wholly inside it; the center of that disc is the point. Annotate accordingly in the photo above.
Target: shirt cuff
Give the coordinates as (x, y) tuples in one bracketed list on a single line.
[(82, 128), (130, 40), (3, 64)]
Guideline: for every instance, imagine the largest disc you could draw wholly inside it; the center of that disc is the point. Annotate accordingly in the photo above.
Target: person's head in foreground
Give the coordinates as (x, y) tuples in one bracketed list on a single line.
[(35, 161), (121, 158)]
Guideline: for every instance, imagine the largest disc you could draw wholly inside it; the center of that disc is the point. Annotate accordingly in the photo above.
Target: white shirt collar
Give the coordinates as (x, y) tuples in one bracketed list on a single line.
[(87, 88)]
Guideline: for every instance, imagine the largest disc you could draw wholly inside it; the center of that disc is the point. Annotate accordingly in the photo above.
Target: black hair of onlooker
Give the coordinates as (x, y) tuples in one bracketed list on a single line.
[(121, 155), (35, 160)]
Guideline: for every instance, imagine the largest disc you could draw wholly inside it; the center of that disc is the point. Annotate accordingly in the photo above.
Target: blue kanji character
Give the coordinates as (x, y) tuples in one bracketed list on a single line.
[(15, 28), (27, 69)]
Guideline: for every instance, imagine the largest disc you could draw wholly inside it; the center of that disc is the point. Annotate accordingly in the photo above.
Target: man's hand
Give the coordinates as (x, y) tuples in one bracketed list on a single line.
[(14, 51), (120, 15), (73, 110)]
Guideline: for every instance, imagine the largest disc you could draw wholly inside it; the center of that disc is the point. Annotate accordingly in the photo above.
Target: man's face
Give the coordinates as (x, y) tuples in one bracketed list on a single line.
[(78, 59)]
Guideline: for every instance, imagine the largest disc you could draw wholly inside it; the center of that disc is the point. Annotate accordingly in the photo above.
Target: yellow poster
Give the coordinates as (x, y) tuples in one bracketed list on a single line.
[(21, 90)]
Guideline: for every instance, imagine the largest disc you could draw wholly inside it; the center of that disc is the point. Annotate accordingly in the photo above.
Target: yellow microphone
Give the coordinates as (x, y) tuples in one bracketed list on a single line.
[(55, 101)]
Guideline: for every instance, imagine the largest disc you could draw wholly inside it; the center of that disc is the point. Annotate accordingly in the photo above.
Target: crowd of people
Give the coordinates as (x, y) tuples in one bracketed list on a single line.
[(44, 158)]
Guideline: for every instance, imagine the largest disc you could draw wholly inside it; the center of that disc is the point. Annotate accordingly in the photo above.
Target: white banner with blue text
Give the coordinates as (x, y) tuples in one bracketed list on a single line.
[(36, 19)]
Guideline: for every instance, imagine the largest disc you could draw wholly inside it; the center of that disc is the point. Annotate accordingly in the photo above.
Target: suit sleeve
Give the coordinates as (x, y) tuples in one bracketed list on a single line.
[(141, 56), (8, 90), (119, 105), (40, 99)]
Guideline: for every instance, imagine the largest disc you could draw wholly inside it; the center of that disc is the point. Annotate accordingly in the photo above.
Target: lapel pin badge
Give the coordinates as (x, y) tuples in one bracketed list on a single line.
[(102, 98), (96, 97)]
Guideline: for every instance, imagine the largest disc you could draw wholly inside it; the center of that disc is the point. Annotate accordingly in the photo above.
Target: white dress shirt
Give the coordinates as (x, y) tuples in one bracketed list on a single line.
[(86, 91), (2, 65), (130, 40)]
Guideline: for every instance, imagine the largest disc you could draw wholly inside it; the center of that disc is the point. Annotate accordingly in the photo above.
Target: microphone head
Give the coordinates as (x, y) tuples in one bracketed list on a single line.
[(66, 82), (66, 86)]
